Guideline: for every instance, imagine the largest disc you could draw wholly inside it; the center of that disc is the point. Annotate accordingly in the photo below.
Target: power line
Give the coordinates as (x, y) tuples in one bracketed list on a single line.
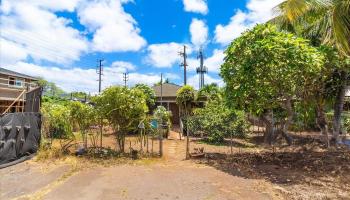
[(184, 63), (40, 47), (23, 37)]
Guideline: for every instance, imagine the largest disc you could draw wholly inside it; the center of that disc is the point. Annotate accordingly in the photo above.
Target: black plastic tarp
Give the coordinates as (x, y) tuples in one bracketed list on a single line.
[(19, 135)]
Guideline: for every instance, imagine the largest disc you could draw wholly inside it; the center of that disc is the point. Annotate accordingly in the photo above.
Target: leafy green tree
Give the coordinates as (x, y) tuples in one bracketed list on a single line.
[(124, 108), (162, 115), (56, 119), (79, 95), (84, 115), (323, 22), (265, 71), (216, 121), (210, 92), (329, 18), (164, 81), (149, 94), (184, 98), (50, 88)]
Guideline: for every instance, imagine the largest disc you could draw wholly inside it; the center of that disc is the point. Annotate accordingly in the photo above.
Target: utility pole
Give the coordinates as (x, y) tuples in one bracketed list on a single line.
[(161, 89), (184, 63), (201, 70), (99, 71), (125, 78)]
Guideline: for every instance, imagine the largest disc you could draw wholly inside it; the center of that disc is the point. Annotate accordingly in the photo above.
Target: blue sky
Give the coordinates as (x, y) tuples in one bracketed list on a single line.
[(62, 40)]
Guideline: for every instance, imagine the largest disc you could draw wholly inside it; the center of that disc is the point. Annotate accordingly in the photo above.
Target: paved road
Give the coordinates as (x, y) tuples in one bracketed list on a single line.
[(170, 178)]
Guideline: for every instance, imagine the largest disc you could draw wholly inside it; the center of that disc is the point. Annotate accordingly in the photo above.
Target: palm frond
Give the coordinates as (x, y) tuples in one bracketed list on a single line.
[(341, 25)]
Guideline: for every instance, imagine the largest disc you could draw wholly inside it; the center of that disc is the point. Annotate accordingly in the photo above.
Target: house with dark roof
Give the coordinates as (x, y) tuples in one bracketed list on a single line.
[(13, 89), (166, 96)]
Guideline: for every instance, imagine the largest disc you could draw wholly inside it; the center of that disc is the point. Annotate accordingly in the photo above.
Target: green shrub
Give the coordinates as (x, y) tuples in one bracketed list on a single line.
[(163, 117), (57, 120), (215, 121)]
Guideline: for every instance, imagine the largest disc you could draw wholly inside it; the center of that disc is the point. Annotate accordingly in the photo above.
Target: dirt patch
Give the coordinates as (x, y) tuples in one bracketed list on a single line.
[(303, 171)]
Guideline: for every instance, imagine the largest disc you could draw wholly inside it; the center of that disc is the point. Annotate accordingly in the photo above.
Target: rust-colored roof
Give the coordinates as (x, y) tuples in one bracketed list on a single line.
[(169, 90)]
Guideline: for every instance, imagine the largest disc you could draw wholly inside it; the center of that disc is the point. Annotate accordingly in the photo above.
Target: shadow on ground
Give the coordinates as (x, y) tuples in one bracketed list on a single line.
[(308, 163)]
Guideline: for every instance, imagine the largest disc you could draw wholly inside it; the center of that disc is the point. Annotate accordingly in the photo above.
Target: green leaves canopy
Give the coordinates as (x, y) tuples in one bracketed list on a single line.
[(149, 94), (210, 92), (184, 98), (326, 20), (162, 115), (217, 121), (123, 107), (264, 66)]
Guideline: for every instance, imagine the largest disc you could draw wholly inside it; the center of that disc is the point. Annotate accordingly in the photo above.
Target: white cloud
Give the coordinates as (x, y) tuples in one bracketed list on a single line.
[(171, 76), (213, 63), (39, 33), (258, 11), (78, 79), (194, 81), (61, 5), (165, 54), (11, 52), (197, 6), (122, 66), (199, 32), (114, 29)]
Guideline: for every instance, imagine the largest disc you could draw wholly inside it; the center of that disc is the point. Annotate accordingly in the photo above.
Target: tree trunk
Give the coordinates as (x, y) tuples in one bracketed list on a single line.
[(269, 124), (338, 106), (290, 113), (321, 121), (121, 141), (101, 135)]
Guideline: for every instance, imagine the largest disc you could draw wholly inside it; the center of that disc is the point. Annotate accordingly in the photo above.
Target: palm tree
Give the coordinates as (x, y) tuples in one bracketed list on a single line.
[(323, 22), (329, 17)]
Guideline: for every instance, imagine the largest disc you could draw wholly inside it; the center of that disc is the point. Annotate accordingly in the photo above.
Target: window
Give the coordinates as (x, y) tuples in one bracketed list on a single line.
[(14, 82), (19, 83)]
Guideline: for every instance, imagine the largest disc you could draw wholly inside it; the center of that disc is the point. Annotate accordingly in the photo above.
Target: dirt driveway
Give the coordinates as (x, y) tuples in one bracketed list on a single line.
[(168, 178)]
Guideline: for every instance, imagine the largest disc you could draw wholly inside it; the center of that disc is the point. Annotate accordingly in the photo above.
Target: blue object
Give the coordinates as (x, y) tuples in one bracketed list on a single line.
[(154, 123)]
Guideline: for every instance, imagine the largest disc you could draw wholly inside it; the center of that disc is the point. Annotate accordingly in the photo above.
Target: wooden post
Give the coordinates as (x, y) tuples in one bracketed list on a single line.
[(141, 140), (160, 143), (147, 143), (23, 102), (101, 134), (231, 144), (187, 144), (152, 144), (130, 146)]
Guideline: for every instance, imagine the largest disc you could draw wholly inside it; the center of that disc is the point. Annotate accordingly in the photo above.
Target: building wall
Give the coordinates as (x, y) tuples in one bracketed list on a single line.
[(174, 108), (171, 99), (8, 92), (17, 107)]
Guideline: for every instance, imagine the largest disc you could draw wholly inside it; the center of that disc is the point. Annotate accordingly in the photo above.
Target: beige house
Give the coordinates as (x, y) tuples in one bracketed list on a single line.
[(166, 96), (13, 89)]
